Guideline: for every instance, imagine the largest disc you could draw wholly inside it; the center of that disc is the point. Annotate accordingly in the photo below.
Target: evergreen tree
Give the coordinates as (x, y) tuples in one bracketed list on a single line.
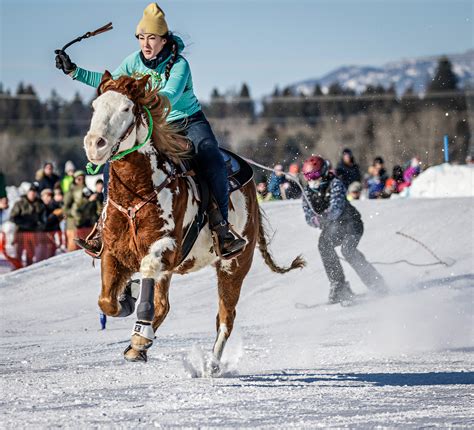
[(333, 107), (409, 102), (53, 109), (245, 105), (290, 107), (26, 110), (218, 106), (312, 108), (272, 105), (444, 78)]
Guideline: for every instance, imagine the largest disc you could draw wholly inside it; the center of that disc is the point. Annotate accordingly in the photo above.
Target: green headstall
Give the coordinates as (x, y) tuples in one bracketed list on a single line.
[(91, 170)]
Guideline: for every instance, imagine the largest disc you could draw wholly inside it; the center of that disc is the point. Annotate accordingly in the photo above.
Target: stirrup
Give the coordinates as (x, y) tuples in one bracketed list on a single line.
[(217, 248), (82, 243)]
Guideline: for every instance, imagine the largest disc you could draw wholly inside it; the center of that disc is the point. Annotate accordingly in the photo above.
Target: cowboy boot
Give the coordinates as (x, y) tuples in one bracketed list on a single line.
[(228, 242), (92, 244)]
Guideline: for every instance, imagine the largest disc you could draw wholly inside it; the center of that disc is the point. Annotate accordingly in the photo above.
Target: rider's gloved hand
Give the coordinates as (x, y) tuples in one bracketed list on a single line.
[(63, 62)]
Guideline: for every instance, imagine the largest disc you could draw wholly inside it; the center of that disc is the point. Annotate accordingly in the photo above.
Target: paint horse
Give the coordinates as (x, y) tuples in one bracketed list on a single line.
[(151, 203)]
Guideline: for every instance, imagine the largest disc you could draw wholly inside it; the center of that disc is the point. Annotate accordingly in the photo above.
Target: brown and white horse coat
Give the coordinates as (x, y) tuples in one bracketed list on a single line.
[(151, 242)]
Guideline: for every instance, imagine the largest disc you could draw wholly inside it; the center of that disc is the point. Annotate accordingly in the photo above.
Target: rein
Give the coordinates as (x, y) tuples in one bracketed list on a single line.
[(90, 167)]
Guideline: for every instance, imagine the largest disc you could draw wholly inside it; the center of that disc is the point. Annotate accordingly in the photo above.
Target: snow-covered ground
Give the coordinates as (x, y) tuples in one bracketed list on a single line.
[(405, 360)]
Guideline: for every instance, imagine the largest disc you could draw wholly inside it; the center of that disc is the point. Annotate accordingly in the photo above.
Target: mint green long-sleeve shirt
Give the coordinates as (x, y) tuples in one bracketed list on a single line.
[(178, 88)]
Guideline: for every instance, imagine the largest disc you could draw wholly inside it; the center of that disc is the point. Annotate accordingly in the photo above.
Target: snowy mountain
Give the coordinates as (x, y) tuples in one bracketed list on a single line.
[(402, 361), (402, 74)]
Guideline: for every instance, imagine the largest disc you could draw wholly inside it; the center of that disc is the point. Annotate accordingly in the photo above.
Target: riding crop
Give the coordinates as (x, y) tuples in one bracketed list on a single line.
[(100, 30)]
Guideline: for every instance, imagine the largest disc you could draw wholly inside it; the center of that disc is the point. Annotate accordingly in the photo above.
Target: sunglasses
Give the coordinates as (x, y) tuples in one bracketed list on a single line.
[(313, 175)]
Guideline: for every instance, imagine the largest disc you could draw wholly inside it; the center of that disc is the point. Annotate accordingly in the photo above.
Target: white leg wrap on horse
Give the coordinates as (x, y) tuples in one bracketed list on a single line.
[(144, 330), (220, 342)]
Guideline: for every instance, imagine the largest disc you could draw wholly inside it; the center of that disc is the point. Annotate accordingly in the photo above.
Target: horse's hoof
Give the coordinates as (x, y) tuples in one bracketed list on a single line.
[(140, 343), (214, 367), (134, 356)]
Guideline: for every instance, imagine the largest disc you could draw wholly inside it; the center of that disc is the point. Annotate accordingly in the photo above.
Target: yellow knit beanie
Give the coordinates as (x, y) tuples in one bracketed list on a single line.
[(153, 21)]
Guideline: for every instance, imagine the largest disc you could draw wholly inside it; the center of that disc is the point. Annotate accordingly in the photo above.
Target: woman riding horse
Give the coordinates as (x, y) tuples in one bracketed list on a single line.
[(160, 58)]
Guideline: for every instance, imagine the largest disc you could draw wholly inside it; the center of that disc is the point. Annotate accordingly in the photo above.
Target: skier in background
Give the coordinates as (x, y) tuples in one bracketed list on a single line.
[(341, 225)]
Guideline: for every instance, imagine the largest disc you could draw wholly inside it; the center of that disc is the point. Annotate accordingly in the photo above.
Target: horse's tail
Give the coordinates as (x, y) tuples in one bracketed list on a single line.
[(263, 241)]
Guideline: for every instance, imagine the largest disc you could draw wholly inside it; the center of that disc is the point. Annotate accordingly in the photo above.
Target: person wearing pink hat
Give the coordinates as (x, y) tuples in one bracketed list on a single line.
[(326, 207)]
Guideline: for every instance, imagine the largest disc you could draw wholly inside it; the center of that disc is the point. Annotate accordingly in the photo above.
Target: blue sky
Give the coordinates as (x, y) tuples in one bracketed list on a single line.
[(261, 42)]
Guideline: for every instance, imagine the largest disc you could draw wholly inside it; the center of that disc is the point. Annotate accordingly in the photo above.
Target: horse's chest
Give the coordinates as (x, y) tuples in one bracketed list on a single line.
[(139, 231)]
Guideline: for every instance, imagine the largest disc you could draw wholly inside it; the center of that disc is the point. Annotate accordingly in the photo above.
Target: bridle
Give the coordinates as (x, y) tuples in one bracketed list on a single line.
[(134, 125), (125, 136)]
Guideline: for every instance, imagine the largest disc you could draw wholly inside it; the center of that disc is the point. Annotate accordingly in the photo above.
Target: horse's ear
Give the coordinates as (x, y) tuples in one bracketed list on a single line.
[(141, 83), (107, 76)]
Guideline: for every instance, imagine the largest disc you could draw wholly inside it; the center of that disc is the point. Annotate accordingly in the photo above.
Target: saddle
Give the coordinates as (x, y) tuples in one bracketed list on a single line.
[(239, 173)]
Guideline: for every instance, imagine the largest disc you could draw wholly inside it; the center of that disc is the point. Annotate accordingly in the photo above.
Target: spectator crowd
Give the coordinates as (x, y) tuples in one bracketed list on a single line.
[(52, 212), (375, 184)]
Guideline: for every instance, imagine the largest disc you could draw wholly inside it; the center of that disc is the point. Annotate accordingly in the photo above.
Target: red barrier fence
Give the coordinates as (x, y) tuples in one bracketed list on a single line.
[(26, 247)]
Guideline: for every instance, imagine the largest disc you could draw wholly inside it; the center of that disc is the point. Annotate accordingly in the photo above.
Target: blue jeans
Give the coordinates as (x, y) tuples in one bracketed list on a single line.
[(208, 157)]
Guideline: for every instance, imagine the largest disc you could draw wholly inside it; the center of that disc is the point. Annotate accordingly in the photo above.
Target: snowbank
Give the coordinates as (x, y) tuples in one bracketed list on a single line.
[(445, 180)]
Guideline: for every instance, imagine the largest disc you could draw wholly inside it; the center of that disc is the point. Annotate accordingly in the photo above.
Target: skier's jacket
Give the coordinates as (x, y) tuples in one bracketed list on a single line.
[(29, 216), (178, 88), (328, 204)]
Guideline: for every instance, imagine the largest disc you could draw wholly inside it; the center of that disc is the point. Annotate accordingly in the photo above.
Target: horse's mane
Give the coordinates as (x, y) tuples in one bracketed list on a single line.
[(165, 137)]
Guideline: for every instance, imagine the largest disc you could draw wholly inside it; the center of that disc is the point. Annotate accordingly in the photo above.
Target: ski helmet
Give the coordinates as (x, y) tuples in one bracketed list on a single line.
[(315, 167)]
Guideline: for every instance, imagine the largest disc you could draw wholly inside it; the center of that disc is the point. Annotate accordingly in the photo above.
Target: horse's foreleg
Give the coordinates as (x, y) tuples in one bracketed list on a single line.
[(154, 305), (143, 334), (162, 304), (114, 277), (151, 312)]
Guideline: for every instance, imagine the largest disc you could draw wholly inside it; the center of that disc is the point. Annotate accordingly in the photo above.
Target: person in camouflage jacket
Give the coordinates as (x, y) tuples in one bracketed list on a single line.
[(80, 209)]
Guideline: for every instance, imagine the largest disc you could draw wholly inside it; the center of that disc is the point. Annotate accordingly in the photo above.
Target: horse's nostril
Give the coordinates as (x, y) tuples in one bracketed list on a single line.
[(101, 143)]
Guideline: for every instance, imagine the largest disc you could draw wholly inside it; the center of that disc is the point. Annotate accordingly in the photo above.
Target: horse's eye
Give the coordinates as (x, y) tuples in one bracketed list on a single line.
[(127, 109)]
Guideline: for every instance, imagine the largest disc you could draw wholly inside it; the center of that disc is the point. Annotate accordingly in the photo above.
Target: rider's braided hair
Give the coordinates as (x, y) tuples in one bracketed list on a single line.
[(171, 42)]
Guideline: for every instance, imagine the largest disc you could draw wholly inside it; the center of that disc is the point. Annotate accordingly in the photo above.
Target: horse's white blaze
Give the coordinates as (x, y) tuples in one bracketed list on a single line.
[(151, 265), (165, 196), (112, 116)]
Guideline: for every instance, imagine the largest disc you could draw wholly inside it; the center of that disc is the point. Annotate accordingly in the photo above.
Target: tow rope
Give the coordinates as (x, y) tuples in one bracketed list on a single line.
[(384, 263)]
